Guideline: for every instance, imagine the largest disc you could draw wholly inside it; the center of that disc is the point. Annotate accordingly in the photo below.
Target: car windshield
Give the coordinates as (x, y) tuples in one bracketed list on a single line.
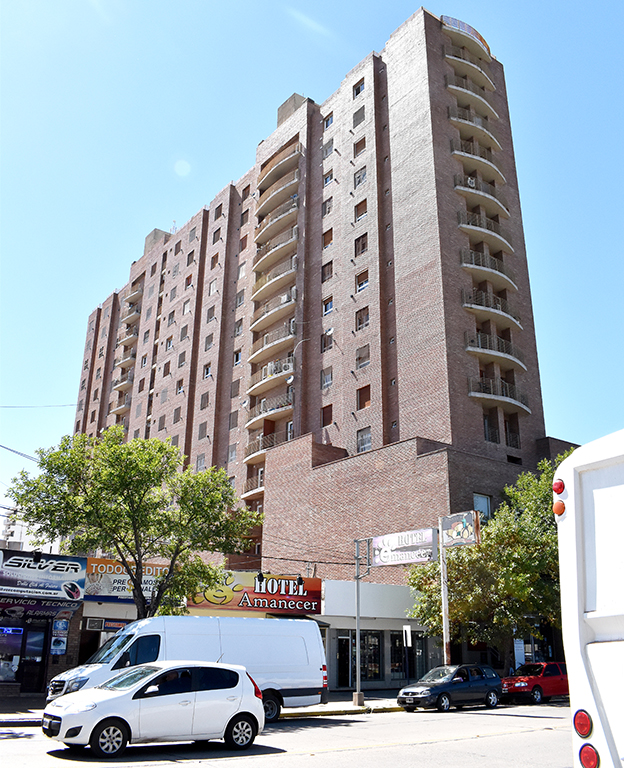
[(129, 678), (111, 648), (438, 673), (528, 670)]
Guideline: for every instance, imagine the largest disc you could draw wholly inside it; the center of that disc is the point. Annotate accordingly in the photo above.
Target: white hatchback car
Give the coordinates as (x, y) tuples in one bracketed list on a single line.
[(161, 701)]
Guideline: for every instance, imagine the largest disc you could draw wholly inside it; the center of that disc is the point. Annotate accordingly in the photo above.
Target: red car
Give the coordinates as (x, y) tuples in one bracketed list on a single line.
[(539, 681)]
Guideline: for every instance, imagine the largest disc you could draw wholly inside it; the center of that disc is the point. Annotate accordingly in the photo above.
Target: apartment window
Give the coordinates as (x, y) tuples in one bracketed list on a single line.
[(290, 430), (141, 385), (186, 307), (326, 378), (328, 305), (177, 415), (208, 342), (163, 396), (203, 401), (169, 343), (192, 234), (328, 238), (364, 441), (242, 269), (184, 333), (148, 314), (174, 440), (240, 298), (237, 357), (207, 368), (178, 247), (231, 453), (189, 259), (214, 261), (246, 192), (327, 270), (216, 235), (137, 432), (358, 88), (188, 282), (361, 319), (363, 397), (202, 431), (326, 341), (181, 359), (361, 244), (326, 416), (161, 423), (96, 394), (327, 206), (361, 209), (180, 387), (210, 314), (218, 211), (145, 336), (174, 273), (200, 463), (235, 388), (103, 334), (328, 178), (242, 244), (92, 417), (358, 117), (238, 327), (361, 281), (482, 504), (328, 148), (172, 293), (233, 419), (98, 373), (171, 318), (143, 361), (359, 147), (359, 177), (244, 217), (153, 270), (328, 120), (166, 369), (362, 356)]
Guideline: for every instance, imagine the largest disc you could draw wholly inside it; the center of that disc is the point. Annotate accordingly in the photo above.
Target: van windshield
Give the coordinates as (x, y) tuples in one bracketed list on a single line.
[(111, 648)]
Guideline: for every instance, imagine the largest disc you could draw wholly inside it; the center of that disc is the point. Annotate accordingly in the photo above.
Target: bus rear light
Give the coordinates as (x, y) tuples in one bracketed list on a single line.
[(558, 486), (589, 757), (559, 507), (582, 723)]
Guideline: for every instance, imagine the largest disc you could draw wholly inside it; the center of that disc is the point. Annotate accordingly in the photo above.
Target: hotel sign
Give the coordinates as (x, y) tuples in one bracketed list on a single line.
[(405, 548)]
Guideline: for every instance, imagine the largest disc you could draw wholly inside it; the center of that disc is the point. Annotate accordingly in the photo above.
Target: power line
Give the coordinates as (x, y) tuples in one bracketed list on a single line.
[(64, 405), (19, 453)]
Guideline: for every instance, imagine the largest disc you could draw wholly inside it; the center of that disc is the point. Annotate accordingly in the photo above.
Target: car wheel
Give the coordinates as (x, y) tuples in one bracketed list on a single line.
[(271, 708), (240, 733), (536, 695), (410, 709), (444, 702), (109, 738), (491, 699)]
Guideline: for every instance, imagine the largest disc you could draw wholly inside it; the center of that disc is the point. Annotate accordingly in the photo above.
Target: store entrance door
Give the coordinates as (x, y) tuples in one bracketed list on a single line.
[(32, 666), (344, 662)]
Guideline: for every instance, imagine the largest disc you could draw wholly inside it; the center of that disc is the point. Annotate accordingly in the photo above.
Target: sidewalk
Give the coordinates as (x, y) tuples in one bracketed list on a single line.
[(26, 711)]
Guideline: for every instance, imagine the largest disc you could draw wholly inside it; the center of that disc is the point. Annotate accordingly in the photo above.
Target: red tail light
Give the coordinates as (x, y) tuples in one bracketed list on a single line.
[(257, 691), (582, 723), (324, 676), (558, 486), (589, 757)]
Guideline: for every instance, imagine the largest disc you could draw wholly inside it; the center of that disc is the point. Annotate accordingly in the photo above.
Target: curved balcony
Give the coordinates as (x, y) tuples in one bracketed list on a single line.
[(468, 93), (255, 451), (467, 64), (127, 359), (272, 281), (281, 217), (132, 315), (482, 266), (128, 338), (278, 193), (485, 229), (464, 35), (273, 310), (269, 375), (478, 192), (134, 295), (279, 165), (493, 349), (275, 249), (123, 383), (273, 342), (271, 409), (472, 126), (122, 407), (475, 157), (253, 488), (500, 392), (486, 306)]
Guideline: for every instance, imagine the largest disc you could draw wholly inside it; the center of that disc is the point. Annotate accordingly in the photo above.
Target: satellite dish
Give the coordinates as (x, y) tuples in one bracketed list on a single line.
[(290, 380)]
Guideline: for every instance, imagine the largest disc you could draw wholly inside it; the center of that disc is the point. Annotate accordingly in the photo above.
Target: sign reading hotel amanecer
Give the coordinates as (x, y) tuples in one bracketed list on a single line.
[(406, 547)]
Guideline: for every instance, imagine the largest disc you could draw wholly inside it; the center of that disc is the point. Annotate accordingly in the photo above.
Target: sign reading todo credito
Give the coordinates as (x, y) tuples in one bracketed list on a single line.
[(406, 547)]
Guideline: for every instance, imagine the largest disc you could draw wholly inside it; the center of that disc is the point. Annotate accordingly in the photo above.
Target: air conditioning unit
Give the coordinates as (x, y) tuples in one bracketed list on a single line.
[(293, 293), (95, 625), (287, 367), (471, 182), (284, 298)]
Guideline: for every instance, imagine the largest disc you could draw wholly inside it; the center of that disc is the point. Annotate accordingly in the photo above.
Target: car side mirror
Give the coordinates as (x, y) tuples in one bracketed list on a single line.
[(458, 679), (151, 690)]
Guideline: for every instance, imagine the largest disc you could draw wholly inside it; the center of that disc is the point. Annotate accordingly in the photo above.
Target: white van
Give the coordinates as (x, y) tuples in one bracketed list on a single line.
[(284, 656)]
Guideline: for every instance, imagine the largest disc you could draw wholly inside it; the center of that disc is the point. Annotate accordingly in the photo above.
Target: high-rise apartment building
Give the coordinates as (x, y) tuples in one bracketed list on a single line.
[(348, 328)]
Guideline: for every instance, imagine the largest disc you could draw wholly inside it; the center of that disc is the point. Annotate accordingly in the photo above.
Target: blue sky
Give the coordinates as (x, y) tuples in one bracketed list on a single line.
[(118, 116)]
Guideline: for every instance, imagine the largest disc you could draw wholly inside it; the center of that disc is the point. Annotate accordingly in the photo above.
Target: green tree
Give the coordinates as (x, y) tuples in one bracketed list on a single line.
[(503, 586), (133, 501)]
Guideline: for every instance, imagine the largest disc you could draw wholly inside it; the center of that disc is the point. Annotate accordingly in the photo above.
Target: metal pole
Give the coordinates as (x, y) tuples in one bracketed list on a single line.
[(446, 634), (358, 696)]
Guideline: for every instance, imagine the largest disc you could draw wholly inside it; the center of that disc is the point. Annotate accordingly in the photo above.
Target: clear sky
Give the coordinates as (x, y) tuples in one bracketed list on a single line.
[(119, 116)]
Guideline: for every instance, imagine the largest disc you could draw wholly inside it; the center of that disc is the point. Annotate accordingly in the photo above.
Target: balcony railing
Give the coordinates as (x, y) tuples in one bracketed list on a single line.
[(469, 182), (270, 338), (292, 233), (128, 338), (497, 388), (483, 222), (284, 181), (487, 341), (282, 269), (265, 441), (476, 259), (132, 314), (512, 439), (253, 484), (462, 53), (489, 301), (270, 404), (293, 149), (460, 113), (465, 84), (123, 382), (491, 434), (125, 359), (472, 148), (282, 210), (276, 303), (275, 368)]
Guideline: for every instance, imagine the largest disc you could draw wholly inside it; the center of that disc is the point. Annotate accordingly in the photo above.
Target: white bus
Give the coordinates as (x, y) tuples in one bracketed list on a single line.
[(588, 504)]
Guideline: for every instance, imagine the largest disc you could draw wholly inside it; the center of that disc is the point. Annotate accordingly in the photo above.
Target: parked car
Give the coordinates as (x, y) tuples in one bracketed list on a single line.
[(452, 685), (162, 701), (539, 681)]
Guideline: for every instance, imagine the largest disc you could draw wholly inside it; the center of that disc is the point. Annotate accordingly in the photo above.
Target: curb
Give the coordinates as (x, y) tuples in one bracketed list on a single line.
[(350, 711), (25, 722)]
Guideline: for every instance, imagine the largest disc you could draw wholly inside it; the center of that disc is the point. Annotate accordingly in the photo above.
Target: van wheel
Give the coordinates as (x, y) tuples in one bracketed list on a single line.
[(240, 733), (272, 708), (109, 738)]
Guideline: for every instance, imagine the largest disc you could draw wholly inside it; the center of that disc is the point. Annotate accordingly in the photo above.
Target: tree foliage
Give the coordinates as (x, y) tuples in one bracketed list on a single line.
[(503, 586), (133, 501)]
